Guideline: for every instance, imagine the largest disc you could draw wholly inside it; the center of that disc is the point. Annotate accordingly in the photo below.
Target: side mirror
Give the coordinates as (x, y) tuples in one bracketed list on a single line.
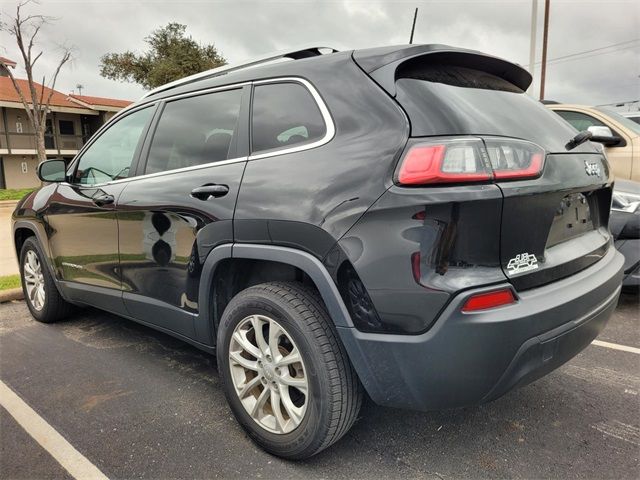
[(604, 135), (52, 171)]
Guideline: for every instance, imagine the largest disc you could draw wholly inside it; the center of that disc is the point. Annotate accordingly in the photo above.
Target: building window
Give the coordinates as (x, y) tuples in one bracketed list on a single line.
[(67, 127)]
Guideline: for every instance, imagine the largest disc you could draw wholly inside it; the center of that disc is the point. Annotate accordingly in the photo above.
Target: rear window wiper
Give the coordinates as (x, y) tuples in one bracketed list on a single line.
[(579, 139)]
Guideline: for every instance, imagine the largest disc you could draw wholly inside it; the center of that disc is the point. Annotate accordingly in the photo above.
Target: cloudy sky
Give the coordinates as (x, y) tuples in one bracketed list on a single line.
[(608, 30)]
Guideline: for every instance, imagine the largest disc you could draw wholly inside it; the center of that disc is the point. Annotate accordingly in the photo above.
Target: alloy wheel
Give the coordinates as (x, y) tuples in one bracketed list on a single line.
[(34, 280), (268, 374)]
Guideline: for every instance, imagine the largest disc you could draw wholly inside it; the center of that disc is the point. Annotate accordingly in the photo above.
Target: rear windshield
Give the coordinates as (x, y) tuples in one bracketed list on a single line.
[(454, 100)]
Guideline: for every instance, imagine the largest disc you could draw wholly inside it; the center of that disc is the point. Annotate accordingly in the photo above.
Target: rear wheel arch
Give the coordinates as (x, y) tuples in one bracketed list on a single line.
[(250, 264)]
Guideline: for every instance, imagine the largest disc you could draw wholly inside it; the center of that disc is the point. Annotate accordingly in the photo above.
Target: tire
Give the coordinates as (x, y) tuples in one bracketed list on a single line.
[(326, 408), (51, 307)]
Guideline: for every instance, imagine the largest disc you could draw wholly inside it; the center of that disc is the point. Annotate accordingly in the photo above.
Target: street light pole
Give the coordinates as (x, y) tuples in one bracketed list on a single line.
[(545, 34), (532, 45)]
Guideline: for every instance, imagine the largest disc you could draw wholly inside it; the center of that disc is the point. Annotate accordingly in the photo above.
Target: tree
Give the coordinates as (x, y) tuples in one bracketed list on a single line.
[(171, 56), (37, 98)]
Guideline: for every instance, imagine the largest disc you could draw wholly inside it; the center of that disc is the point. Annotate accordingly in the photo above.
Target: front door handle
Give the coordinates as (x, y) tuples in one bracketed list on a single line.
[(103, 199), (205, 192)]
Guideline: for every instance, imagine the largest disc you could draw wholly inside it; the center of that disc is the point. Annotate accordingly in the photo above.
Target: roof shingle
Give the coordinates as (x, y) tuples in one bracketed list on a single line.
[(8, 93), (109, 102)]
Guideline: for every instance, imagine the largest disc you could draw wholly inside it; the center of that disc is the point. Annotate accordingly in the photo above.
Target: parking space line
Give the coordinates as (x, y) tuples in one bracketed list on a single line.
[(43, 433), (615, 346), (619, 430)]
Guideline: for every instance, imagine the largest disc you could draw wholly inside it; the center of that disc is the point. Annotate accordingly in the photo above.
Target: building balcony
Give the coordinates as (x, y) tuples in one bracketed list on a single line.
[(12, 143)]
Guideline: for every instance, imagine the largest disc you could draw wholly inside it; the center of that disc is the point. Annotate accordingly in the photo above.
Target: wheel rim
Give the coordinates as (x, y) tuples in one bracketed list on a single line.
[(268, 374), (34, 280)]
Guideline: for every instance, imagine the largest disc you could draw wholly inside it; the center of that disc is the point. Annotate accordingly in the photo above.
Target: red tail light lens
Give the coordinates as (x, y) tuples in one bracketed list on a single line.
[(470, 160), (450, 162), (514, 159), (484, 301)]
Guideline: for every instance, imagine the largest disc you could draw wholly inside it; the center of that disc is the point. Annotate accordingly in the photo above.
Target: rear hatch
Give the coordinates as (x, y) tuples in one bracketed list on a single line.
[(472, 122)]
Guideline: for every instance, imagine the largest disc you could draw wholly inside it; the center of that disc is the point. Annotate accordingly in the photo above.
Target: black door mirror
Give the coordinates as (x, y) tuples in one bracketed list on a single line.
[(52, 171)]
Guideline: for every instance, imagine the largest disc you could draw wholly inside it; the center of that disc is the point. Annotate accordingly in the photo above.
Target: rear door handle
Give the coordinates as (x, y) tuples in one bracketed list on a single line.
[(103, 199), (205, 192)]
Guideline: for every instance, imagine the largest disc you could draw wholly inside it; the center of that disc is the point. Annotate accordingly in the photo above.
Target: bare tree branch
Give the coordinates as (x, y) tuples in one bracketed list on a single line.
[(19, 90), (65, 58), (25, 30)]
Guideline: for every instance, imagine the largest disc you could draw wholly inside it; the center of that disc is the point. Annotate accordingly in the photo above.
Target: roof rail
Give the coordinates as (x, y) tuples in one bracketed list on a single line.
[(298, 53)]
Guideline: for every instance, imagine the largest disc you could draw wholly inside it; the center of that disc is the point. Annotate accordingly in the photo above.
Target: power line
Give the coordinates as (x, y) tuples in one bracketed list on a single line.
[(597, 49), (592, 50), (630, 47)]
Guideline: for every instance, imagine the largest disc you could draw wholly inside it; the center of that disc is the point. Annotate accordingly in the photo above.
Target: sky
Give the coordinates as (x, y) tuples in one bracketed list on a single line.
[(245, 29)]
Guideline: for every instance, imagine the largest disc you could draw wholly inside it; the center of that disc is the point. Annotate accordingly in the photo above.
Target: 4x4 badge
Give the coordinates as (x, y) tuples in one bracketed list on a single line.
[(523, 262), (592, 168)]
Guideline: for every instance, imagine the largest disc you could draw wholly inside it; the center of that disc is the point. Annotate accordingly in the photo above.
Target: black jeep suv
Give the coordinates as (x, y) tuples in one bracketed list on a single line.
[(401, 221)]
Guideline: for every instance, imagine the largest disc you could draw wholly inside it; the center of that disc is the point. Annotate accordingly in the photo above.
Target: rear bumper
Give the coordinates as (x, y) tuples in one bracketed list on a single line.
[(467, 359)]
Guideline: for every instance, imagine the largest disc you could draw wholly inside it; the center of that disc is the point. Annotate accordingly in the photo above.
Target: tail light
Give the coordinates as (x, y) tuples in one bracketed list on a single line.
[(470, 160), (484, 301), (514, 159)]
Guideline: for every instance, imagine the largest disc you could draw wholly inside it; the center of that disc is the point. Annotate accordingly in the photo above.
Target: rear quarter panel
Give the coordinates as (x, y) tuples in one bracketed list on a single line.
[(309, 199)]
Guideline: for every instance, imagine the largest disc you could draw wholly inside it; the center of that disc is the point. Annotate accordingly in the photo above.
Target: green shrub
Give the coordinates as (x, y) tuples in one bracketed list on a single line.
[(9, 281), (14, 193)]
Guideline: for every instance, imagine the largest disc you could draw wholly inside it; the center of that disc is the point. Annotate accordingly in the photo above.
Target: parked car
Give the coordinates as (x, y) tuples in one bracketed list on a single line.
[(625, 228), (402, 221), (635, 116), (620, 135)]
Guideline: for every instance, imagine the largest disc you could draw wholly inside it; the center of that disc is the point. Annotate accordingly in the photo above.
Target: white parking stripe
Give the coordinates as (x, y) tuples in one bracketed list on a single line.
[(615, 346), (43, 433)]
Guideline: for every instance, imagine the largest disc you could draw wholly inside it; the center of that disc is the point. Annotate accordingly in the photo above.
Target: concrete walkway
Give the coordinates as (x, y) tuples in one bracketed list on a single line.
[(8, 261)]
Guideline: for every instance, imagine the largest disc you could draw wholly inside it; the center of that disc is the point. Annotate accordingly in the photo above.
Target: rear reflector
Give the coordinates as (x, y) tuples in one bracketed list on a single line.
[(484, 301), (462, 160)]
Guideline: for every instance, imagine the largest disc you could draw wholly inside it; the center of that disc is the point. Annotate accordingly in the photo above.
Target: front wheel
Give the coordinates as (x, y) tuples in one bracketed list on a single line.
[(40, 292), (286, 375)]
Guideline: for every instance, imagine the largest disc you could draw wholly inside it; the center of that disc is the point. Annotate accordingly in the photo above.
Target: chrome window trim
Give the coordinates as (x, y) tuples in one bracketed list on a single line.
[(177, 96), (159, 174), (122, 113), (324, 111)]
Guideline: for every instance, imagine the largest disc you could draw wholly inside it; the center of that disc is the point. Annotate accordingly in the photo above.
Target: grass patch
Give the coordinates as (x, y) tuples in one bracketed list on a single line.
[(9, 281), (14, 193)]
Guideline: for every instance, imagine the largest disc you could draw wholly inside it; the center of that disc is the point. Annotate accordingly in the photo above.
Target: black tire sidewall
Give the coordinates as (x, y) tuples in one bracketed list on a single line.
[(307, 436)]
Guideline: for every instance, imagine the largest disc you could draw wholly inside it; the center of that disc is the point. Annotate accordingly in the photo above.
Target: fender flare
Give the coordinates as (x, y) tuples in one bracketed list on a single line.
[(290, 256), (36, 228)]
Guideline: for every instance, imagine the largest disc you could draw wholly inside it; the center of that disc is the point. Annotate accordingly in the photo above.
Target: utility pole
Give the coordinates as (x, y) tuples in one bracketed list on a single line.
[(79, 87), (532, 45), (413, 27), (545, 35)]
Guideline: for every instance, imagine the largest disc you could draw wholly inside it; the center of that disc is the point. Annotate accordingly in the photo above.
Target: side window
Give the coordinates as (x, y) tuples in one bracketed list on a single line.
[(110, 156), (284, 115), (580, 121), (194, 131)]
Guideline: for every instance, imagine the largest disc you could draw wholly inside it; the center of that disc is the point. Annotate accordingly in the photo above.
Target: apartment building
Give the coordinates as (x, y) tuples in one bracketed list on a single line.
[(71, 121)]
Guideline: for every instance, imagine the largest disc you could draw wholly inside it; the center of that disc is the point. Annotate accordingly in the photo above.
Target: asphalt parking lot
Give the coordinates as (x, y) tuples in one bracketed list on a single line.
[(140, 404)]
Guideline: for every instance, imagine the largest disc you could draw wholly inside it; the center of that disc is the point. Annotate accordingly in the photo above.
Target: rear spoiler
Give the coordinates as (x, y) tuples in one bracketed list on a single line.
[(381, 64)]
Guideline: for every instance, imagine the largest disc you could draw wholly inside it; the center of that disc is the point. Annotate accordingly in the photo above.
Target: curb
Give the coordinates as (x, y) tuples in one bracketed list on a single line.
[(8, 203), (11, 294)]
